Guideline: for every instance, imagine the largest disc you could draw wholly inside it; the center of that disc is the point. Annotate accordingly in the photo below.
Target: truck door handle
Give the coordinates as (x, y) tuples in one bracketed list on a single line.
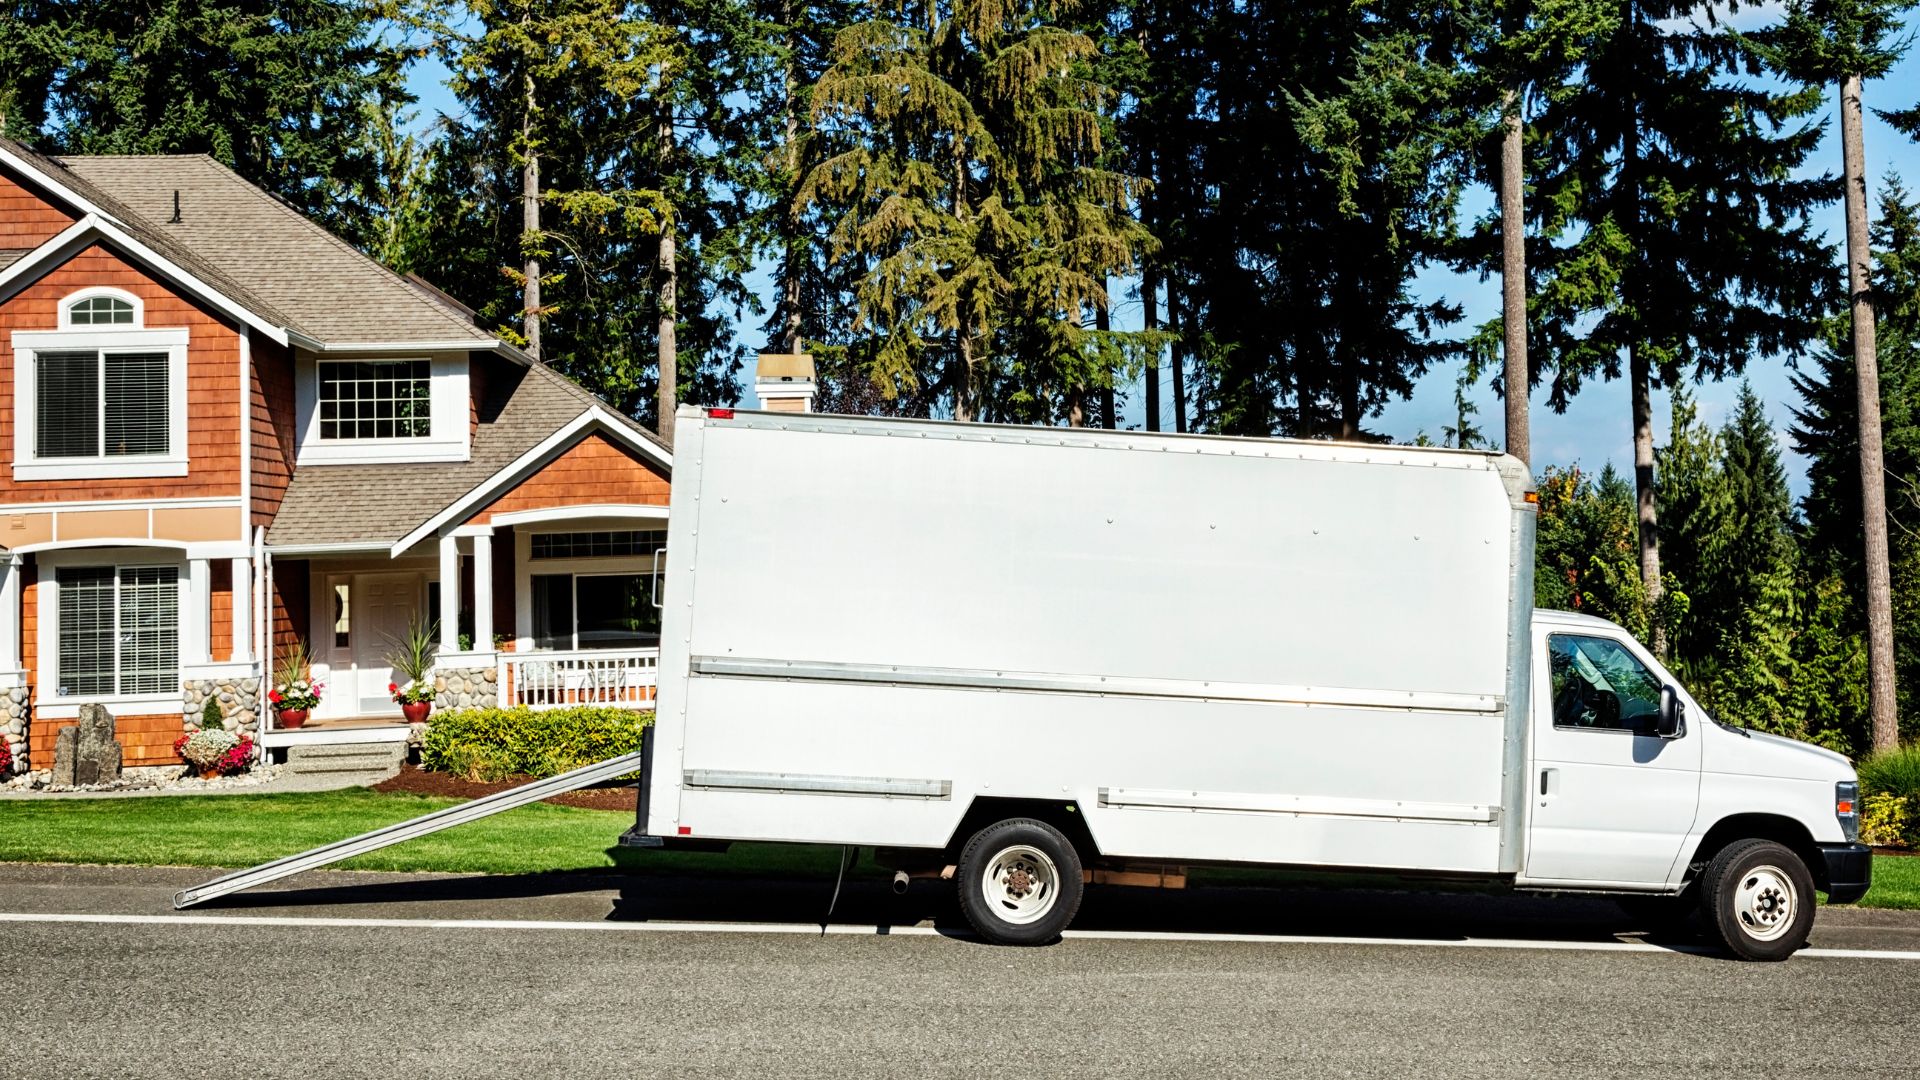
[(1549, 781)]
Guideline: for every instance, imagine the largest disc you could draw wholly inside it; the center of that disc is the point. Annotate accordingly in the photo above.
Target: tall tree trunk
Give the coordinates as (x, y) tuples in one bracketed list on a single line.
[(669, 314), (963, 372), (1177, 324), (789, 340), (1873, 486), (1150, 302), (1518, 378), (1109, 417), (1642, 392), (530, 228)]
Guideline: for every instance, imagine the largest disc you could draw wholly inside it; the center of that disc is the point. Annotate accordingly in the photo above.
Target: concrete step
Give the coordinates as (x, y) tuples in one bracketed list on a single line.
[(377, 760)]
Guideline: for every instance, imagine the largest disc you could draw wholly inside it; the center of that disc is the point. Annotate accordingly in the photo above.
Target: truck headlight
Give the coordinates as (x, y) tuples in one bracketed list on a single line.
[(1846, 807)]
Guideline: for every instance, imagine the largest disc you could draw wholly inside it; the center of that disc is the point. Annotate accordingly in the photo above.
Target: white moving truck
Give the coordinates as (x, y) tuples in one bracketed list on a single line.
[(1027, 658)]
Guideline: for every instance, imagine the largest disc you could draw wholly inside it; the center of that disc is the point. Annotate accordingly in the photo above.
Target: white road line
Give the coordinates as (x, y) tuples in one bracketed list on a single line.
[(847, 930)]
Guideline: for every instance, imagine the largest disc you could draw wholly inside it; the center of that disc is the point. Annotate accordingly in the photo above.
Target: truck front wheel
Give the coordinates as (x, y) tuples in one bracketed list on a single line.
[(1758, 897), (1020, 882)]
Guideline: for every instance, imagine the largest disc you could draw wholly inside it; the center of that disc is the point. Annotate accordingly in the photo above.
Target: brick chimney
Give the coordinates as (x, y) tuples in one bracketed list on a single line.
[(785, 382)]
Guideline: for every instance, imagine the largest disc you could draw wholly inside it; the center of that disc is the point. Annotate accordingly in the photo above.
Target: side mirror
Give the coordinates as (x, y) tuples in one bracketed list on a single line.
[(1673, 714)]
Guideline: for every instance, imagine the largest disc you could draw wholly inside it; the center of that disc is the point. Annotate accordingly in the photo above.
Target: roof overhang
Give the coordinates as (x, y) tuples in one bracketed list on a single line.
[(48, 185), (94, 228), (383, 348), (595, 420)]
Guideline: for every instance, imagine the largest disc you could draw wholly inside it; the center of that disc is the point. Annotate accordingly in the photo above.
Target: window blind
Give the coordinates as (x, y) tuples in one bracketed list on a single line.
[(86, 630), (136, 399), (66, 404), (149, 630)]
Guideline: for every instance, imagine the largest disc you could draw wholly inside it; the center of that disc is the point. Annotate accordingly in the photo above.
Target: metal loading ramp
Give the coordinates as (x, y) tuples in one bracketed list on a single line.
[(486, 806)]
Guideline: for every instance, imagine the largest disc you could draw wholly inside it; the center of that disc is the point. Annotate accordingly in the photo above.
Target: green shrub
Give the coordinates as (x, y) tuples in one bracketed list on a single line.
[(1895, 772), (1889, 821), (493, 744), (210, 718)]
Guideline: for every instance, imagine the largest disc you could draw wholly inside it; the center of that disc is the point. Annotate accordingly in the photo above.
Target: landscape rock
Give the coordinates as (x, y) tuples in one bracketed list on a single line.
[(87, 753)]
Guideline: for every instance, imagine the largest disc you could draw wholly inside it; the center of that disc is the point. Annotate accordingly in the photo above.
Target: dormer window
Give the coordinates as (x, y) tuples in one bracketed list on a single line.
[(364, 410), (102, 396), (376, 399)]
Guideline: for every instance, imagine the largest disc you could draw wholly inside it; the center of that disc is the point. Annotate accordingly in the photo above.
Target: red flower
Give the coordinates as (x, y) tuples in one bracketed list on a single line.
[(273, 696), (393, 688)]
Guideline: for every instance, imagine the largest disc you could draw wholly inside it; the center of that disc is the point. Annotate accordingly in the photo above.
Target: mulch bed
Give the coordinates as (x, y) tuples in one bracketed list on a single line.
[(416, 781)]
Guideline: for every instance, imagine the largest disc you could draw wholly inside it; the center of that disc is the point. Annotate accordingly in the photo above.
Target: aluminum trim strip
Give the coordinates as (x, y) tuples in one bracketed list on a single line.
[(811, 784), (1315, 805), (985, 679)]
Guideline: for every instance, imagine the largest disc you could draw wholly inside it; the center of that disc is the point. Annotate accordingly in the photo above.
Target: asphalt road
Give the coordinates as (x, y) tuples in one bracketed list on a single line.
[(347, 975)]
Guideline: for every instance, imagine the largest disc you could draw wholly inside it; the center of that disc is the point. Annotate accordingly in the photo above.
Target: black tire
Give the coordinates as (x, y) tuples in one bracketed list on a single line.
[(1025, 909), (1757, 897)]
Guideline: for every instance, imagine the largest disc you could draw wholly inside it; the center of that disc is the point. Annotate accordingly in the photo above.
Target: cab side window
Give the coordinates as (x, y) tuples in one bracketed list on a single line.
[(1598, 684)]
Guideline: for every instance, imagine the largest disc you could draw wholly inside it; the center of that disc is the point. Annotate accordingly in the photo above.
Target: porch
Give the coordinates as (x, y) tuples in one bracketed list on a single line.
[(574, 595)]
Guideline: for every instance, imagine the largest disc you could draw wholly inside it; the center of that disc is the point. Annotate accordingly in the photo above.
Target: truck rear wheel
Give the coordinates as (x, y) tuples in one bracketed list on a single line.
[(1758, 898), (1020, 882)]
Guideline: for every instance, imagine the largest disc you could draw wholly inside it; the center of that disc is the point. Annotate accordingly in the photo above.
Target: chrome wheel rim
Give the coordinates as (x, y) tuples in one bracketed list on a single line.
[(1765, 903), (1020, 885)]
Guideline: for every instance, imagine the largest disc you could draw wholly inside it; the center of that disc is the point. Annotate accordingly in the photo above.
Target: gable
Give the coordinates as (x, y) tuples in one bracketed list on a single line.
[(596, 471), (27, 219)]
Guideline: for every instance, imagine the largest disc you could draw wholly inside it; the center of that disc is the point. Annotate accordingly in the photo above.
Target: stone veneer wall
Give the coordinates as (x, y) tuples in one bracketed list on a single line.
[(239, 703), (466, 688), (14, 706)]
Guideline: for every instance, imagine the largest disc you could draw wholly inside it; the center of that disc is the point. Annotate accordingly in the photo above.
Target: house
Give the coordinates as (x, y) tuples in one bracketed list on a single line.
[(230, 431)]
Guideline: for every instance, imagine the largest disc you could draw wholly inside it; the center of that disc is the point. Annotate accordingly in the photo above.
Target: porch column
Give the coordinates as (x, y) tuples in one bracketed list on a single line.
[(449, 595), (242, 611), (10, 670), (482, 592), (196, 614)]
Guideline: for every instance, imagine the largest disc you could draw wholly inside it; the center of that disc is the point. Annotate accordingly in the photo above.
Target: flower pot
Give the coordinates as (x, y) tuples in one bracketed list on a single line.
[(291, 718), (209, 774), (415, 711)]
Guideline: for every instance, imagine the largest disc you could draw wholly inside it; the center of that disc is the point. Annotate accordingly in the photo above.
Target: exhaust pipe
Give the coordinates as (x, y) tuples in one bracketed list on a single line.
[(900, 882)]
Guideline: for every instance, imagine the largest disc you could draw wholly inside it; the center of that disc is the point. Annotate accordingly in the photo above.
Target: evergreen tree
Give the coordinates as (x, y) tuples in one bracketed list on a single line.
[(1844, 43), (1680, 235), (960, 150), (1826, 431), (1584, 553), (32, 40), (279, 91)]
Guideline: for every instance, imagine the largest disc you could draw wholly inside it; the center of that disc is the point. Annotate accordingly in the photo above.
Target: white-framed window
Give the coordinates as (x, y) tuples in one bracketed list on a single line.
[(99, 401), (369, 410), (119, 631), (594, 589), (367, 400), (102, 307)]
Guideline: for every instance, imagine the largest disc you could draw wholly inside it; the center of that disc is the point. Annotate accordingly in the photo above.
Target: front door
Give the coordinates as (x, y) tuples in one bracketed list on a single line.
[(1612, 801), (383, 604)]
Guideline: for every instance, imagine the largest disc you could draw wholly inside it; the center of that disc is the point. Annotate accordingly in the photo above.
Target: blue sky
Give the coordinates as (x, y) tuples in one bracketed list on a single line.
[(1595, 428)]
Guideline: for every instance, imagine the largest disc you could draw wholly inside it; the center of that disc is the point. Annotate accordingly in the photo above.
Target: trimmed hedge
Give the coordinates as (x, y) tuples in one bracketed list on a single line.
[(493, 744)]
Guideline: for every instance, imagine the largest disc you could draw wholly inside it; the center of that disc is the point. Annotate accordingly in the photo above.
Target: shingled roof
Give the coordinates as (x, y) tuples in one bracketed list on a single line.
[(317, 282)]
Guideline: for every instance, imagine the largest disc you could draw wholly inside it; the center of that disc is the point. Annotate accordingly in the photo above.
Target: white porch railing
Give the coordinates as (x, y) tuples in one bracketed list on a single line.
[(549, 680)]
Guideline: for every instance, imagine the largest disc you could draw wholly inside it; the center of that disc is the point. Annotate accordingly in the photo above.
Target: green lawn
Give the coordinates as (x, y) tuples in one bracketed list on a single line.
[(243, 830)]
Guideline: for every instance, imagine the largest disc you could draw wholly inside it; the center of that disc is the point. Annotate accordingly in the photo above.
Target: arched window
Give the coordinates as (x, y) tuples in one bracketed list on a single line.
[(100, 309)]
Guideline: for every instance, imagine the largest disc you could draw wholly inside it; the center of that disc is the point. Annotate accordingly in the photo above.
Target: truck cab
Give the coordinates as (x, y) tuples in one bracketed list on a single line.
[(1635, 788)]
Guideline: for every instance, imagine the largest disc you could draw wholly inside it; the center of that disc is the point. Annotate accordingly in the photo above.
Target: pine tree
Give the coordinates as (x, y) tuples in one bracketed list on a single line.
[(32, 40), (1584, 555), (278, 91), (1827, 432), (1844, 43), (960, 151), (1680, 235)]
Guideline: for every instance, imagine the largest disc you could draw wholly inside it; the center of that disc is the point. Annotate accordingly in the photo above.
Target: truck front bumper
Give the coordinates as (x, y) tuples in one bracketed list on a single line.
[(1849, 871)]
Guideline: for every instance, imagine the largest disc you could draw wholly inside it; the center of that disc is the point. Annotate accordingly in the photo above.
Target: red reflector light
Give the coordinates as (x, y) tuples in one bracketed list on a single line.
[(719, 414), (1844, 806), (686, 830)]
